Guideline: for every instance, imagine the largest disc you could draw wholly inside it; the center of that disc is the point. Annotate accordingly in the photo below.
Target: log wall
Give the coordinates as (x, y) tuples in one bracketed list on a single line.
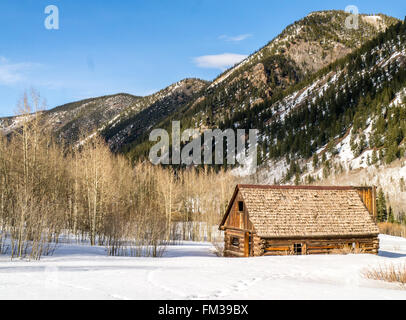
[(272, 247), (230, 249), (238, 219), (285, 247)]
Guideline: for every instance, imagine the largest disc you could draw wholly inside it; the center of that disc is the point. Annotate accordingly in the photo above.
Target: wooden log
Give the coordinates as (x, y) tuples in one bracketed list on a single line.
[(232, 253), (276, 253), (322, 251), (278, 249), (324, 247)]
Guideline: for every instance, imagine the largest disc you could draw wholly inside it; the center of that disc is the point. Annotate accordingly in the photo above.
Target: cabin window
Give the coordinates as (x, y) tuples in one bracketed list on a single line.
[(298, 249), (240, 206), (235, 242)]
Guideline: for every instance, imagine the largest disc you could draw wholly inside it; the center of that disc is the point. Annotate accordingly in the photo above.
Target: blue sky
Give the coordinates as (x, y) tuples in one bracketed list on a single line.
[(138, 47)]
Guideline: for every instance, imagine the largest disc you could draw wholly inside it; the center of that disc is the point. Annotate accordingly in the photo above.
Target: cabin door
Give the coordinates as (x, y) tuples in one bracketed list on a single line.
[(248, 245)]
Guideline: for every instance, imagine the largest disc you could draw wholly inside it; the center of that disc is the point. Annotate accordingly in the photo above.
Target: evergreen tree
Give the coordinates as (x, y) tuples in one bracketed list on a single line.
[(374, 157), (381, 154), (391, 217), (381, 207), (297, 179), (392, 153), (315, 161)]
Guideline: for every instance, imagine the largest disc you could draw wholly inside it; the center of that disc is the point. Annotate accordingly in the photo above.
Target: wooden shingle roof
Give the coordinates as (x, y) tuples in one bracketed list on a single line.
[(285, 212)]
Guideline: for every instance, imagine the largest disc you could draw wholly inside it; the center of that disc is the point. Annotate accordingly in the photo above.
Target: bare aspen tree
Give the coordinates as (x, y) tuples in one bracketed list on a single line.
[(47, 189)]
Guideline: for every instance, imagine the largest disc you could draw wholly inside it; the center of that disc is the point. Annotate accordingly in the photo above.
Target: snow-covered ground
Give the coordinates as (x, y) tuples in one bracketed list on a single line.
[(191, 271)]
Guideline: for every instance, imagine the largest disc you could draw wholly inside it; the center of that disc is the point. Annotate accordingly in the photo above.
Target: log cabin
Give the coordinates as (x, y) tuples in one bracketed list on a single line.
[(300, 220)]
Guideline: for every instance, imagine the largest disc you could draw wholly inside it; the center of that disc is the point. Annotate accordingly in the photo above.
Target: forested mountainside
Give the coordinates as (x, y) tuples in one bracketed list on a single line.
[(344, 125), (360, 96), (131, 124), (303, 48)]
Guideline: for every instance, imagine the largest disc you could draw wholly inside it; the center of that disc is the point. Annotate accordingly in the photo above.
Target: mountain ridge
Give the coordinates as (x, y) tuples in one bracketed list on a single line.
[(320, 118), (278, 64)]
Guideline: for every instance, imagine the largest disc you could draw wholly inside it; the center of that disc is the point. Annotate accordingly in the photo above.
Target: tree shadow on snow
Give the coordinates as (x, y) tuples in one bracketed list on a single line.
[(393, 255)]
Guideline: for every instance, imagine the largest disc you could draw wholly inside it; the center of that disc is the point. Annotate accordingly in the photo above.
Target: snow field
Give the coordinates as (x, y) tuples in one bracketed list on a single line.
[(192, 271)]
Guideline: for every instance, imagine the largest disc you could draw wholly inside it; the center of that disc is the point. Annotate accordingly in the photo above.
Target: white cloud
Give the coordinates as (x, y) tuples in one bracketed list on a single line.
[(238, 38), (219, 61), (12, 73)]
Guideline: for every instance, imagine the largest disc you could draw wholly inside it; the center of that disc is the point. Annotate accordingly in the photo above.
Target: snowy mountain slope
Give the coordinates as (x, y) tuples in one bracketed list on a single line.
[(314, 92), (190, 271), (112, 116), (135, 121), (315, 41), (301, 51), (391, 178), (72, 119), (363, 153), (302, 48)]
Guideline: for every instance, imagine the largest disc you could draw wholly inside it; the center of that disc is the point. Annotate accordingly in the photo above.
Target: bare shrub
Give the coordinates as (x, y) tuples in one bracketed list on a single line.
[(393, 229), (85, 191), (218, 247), (390, 273), (346, 250)]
